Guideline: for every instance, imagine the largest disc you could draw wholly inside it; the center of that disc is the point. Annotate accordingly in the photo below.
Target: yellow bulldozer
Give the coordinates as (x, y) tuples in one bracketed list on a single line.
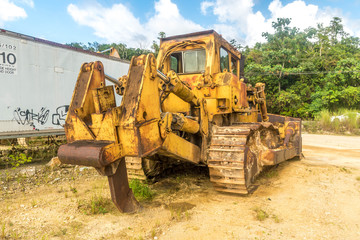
[(190, 105)]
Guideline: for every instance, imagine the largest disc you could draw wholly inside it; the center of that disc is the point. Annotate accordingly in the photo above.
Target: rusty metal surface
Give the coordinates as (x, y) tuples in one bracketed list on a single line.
[(121, 193), (238, 153), (228, 167), (289, 132), (86, 152)]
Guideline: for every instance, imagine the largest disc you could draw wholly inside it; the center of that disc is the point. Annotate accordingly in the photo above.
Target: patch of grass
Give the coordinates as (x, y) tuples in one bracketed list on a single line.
[(17, 159), (180, 210), (261, 214), (275, 218), (175, 214), (345, 170), (76, 226), (324, 119), (96, 205), (336, 125), (351, 122), (73, 190), (271, 173), (141, 190), (60, 233), (343, 121)]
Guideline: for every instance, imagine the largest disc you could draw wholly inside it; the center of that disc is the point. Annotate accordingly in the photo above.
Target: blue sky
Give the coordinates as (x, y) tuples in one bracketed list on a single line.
[(137, 23)]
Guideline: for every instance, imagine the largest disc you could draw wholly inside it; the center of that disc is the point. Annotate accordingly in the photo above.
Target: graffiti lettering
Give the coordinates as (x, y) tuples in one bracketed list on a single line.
[(59, 117), (28, 116)]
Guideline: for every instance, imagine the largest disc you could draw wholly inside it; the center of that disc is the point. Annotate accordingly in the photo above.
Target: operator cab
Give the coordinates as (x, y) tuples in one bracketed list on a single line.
[(199, 56)]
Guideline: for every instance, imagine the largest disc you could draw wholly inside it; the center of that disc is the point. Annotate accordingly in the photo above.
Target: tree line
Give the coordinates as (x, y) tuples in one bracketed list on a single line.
[(304, 71)]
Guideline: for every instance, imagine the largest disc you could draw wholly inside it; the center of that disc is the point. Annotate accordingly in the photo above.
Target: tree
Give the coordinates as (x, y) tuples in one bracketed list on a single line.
[(307, 71)]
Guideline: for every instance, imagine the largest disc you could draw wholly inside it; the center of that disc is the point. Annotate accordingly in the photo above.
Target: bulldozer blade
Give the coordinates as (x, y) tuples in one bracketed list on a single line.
[(121, 194)]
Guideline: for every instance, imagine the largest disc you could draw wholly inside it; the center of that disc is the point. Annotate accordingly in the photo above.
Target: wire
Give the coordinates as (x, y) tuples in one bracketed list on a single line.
[(298, 73)]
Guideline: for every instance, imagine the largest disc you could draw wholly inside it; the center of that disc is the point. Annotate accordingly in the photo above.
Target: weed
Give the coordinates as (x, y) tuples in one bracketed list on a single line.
[(275, 218), (17, 159), (73, 190), (60, 233), (261, 215), (336, 124), (3, 231), (358, 178), (153, 233), (271, 173), (175, 214), (44, 237), (345, 170), (187, 215), (141, 190), (351, 121), (75, 225), (342, 121), (33, 203), (324, 119), (97, 205)]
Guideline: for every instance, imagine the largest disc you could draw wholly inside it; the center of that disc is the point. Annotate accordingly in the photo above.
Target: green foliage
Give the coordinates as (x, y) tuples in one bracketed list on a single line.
[(124, 51), (261, 214), (17, 159), (97, 205), (141, 190), (324, 119), (307, 71)]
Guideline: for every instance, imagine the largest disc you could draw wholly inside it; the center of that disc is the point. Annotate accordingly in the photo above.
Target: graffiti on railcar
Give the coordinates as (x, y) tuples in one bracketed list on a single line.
[(29, 116), (32, 117), (58, 118)]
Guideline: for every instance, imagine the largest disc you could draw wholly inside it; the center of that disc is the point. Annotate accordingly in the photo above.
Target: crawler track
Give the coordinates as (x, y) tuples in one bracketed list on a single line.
[(134, 168), (232, 165)]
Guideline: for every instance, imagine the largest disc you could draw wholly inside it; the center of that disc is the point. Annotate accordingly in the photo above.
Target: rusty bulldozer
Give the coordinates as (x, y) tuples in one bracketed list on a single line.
[(190, 105)]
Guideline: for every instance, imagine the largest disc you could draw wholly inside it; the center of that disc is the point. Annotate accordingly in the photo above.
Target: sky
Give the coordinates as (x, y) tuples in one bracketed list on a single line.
[(138, 22)]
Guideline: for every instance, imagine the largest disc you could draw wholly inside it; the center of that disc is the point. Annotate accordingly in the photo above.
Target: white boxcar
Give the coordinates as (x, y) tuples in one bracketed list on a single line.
[(37, 80)]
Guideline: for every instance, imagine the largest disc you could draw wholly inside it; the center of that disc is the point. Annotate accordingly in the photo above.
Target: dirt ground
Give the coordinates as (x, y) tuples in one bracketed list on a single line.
[(315, 198)]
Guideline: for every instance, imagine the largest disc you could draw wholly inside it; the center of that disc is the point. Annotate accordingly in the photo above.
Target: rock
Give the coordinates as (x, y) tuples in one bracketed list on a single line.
[(83, 168), (55, 180), (54, 162), (29, 171)]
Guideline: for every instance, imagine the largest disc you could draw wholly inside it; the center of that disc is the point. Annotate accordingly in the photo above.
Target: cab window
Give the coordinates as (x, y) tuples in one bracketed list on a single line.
[(190, 61), (176, 62), (224, 59), (234, 66)]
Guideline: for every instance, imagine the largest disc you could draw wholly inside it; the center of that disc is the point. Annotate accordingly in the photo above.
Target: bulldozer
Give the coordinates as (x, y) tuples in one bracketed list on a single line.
[(190, 105)]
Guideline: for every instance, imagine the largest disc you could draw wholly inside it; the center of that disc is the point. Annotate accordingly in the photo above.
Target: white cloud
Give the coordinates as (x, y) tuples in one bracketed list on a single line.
[(240, 15), (30, 3), (168, 19), (205, 5), (118, 23), (235, 19), (111, 24), (10, 12)]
